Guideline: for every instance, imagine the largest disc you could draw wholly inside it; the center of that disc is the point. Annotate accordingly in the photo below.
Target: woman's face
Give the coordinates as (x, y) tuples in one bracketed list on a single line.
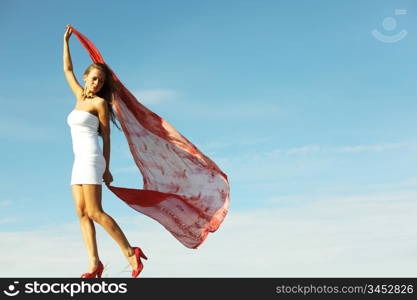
[(94, 80)]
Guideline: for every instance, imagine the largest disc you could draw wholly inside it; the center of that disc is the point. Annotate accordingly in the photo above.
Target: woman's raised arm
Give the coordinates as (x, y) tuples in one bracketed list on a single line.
[(69, 74)]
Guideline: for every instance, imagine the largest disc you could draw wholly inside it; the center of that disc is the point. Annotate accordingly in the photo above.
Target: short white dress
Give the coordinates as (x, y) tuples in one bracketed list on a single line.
[(89, 162)]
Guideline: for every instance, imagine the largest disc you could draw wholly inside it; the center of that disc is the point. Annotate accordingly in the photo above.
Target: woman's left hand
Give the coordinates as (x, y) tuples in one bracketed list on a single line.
[(107, 177)]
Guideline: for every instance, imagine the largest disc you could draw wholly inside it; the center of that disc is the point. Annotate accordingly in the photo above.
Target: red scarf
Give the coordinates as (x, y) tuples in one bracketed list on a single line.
[(183, 189)]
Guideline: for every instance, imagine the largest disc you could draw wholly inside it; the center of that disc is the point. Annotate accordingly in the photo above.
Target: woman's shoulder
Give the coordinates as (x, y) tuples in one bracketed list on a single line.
[(91, 103), (99, 101), (100, 104)]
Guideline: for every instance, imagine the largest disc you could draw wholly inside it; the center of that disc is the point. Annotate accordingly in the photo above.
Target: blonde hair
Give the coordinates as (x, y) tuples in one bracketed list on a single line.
[(107, 90)]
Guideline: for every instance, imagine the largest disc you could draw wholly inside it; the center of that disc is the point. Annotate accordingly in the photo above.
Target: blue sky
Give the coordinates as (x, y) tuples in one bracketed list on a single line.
[(310, 115)]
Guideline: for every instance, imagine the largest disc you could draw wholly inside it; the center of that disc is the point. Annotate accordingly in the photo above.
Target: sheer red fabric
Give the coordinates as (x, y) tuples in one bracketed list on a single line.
[(183, 189)]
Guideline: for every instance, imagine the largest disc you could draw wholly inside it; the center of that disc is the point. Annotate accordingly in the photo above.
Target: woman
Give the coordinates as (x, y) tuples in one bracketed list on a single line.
[(90, 118)]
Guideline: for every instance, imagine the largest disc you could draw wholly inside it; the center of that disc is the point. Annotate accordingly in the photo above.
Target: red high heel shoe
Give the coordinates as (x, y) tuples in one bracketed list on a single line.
[(97, 272), (138, 254)]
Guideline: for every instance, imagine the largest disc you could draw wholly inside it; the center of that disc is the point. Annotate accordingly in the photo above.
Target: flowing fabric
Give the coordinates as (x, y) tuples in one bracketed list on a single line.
[(184, 190)]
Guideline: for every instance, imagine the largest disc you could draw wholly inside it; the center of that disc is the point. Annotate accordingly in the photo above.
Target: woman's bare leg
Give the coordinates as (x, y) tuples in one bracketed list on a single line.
[(92, 196), (87, 227)]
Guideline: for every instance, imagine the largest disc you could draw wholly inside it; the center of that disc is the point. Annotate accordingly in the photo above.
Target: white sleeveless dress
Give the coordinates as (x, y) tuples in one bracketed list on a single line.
[(89, 162)]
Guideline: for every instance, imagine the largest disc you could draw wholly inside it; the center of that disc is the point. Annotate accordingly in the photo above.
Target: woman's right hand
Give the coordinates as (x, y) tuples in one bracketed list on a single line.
[(67, 34)]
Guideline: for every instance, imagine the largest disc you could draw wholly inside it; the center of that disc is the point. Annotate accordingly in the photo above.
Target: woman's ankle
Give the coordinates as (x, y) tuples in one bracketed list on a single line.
[(130, 251), (94, 261)]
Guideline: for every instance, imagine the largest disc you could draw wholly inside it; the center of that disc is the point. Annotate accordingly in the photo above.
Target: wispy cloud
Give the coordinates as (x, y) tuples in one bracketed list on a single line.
[(255, 156), (11, 220), (301, 150), (157, 96), (5, 203), (406, 183), (20, 129), (274, 167), (309, 149), (239, 142), (234, 142), (228, 110), (327, 237), (371, 148), (198, 109)]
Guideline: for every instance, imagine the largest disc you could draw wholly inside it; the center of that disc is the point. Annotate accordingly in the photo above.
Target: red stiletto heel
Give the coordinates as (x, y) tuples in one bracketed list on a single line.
[(97, 272), (138, 254), (100, 270)]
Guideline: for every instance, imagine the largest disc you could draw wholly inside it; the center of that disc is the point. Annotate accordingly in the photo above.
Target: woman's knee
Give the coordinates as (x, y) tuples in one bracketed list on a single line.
[(95, 215), (81, 213)]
